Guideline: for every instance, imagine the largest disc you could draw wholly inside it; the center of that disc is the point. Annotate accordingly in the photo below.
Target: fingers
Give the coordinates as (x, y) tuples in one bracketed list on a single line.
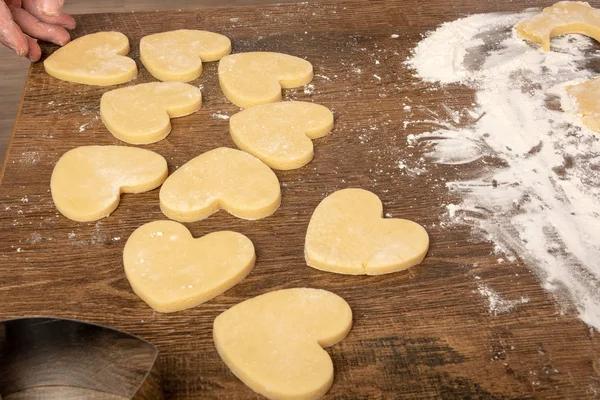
[(40, 30), (13, 3), (11, 35), (36, 8), (35, 52)]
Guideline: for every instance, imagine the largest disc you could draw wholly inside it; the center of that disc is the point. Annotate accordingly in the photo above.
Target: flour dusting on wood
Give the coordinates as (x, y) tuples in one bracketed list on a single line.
[(537, 193), (497, 303)]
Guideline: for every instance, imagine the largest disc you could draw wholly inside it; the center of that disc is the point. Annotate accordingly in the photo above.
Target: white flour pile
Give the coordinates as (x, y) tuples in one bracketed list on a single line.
[(543, 203)]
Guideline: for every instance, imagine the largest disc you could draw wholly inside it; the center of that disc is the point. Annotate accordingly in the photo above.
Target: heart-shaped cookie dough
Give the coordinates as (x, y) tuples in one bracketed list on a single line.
[(250, 79), (87, 181), (223, 178), (561, 18), (96, 59), (280, 133), (172, 271), (178, 55), (585, 96), (348, 235), (141, 114), (274, 342)]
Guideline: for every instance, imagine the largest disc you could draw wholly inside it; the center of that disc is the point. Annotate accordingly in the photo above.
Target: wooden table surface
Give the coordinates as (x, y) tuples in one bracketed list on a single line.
[(426, 333)]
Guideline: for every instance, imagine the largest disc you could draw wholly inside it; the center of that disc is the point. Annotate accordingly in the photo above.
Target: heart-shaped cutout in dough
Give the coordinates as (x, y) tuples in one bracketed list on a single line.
[(280, 133), (178, 55), (172, 271), (96, 59), (274, 342), (222, 178), (141, 114), (348, 235), (561, 18), (251, 79), (87, 181)]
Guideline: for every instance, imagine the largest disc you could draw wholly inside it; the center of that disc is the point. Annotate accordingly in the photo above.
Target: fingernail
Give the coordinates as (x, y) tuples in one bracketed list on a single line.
[(21, 52), (11, 46), (51, 8), (49, 11)]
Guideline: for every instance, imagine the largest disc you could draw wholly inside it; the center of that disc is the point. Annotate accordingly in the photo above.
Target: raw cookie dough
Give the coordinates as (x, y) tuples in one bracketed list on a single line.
[(561, 18), (587, 98), (348, 235), (221, 178), (141, 114), (274, 342), (178, 55), (250, 79), (96, 59), (280, 133), (172, 271), (87, 181)]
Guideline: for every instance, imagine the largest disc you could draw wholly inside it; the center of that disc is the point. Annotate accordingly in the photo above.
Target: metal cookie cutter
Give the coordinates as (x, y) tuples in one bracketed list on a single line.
[(50, 358)]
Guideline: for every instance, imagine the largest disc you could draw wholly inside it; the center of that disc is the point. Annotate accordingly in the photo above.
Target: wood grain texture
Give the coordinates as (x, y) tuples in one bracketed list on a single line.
[(426, 333)]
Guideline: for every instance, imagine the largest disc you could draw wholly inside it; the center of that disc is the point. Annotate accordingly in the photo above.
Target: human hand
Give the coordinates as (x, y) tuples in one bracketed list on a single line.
[(22, 22)]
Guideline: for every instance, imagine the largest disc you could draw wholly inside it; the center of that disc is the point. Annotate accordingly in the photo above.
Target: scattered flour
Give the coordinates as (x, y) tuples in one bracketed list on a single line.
[(324, 77), (29, 157), (220, 116), (497, 304), (98, 237), (35, 237), (309, 89), (540, 197)]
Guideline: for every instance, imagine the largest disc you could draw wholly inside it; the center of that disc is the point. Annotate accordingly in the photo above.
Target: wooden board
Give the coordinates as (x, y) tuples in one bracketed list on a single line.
[(427, 333)]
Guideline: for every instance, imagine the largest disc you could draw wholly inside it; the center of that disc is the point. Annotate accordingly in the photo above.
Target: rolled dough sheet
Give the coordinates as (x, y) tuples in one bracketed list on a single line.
[(222, 178), (561, 18), (251, 79), (141, 114), (348, 235), (587, 99), (274, 342), (172, 271), (87, 181), (96, 59), (280, 133)]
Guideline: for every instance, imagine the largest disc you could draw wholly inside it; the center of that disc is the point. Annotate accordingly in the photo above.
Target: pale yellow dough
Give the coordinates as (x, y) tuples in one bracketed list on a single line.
[(348, 235), (172, 271), (141, 114), (178, 55), (587, 98), (561, 18), (87, 181), (280, 133), (250, 79), (222, 178), (96, 59), (274, 342)]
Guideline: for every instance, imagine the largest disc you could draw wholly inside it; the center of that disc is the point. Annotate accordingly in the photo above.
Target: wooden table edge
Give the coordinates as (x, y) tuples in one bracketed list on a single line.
[(14, 128)]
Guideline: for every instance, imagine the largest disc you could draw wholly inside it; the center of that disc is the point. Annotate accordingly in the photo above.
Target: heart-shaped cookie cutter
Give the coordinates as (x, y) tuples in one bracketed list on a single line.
[(54, 358)]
